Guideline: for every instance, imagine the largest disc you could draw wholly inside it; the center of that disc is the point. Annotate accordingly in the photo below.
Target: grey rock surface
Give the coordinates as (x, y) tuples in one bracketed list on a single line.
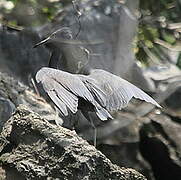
[(13, 93), (36, 149), (160, 146)]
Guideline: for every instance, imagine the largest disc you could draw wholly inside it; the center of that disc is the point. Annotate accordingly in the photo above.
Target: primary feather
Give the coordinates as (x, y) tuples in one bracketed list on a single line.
[(66, 89), (118, 92)]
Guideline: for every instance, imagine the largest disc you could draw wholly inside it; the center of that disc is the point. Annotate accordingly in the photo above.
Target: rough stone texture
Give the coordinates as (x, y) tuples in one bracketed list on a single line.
[(13, 93), (173, 104), (36, 149), (160, 145)]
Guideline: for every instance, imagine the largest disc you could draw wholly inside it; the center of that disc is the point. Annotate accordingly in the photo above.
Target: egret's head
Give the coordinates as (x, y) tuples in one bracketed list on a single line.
[(64, 33), (59, 35)]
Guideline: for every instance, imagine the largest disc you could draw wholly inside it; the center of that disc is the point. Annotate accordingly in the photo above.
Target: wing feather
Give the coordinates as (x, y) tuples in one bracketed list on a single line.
[(67, 98), (63, 88), (72, 83), (138, 93), (63, 97), (94, 88), (61, 106), (118, 91)]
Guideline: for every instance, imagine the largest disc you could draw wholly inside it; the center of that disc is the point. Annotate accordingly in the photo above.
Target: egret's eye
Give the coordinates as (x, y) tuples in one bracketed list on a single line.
[(67, 35)]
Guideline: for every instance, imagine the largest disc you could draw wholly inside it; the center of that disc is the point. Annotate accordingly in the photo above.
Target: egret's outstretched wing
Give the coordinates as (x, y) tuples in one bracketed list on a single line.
[(63, 88), (98, 94), (118, 91), (61, 106)]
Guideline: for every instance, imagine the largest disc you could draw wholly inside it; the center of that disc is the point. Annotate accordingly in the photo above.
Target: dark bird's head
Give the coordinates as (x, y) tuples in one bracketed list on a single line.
[(74, 55), (58, 36)]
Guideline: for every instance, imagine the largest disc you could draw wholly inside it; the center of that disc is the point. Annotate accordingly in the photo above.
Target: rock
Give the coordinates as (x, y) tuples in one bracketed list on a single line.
[(173, 104), (162, 72), (6, 110), (126, 154), (13, 93), (160, 145), (18, 58), (36, 149)]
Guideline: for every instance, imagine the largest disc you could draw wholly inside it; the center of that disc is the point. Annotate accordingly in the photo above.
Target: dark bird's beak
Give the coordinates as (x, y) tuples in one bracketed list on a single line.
[(42, 42)]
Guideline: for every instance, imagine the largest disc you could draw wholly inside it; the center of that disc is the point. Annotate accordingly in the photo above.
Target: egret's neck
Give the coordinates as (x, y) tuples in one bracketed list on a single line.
[(55, 57), (86, 69)]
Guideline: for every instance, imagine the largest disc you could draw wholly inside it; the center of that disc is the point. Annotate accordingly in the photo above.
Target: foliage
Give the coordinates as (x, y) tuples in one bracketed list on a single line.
[(29, 12), (159, 30)]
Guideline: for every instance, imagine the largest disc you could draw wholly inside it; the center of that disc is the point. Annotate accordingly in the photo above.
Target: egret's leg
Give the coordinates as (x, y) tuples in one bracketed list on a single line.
[(95, 131), (35, 87)]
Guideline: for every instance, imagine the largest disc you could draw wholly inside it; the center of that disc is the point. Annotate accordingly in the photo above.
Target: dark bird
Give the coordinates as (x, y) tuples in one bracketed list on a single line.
[(95, 90), (63, 46)]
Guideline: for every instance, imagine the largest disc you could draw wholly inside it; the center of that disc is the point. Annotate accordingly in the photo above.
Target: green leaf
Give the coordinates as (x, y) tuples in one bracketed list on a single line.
[(168, 37)]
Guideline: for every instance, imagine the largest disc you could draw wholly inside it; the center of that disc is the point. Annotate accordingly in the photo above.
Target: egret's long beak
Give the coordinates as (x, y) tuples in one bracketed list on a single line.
[(42, 42)]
